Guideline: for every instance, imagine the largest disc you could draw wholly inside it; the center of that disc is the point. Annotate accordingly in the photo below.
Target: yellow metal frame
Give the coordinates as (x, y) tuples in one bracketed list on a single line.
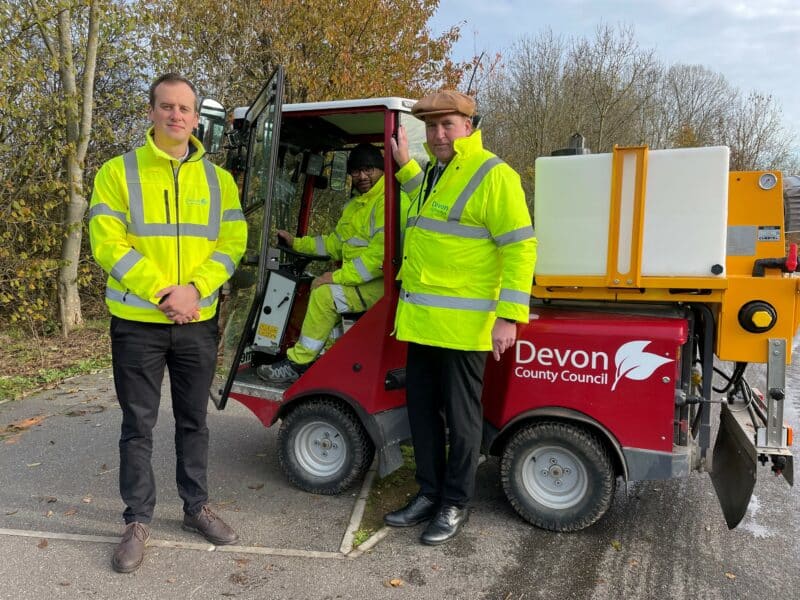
[(751, 209), (632, 278), (629, 285)]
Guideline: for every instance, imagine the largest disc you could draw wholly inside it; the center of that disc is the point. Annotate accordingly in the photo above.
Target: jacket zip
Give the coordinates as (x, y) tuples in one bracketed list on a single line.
[(178, 218)]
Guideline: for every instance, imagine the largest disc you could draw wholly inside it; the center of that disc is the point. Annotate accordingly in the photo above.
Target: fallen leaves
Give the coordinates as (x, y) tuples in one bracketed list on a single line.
[(394, 582), (23, 424), (42, 544), (730, 575), (11, 512), (32, 465), (70, 511), (256, 486), (616, 545), (12, 431)]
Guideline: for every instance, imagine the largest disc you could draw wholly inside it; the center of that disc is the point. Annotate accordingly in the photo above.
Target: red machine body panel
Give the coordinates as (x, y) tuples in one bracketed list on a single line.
[(619, 370)]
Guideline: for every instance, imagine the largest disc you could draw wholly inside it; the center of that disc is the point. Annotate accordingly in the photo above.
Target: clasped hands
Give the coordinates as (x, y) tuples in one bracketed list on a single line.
[(180, 304)]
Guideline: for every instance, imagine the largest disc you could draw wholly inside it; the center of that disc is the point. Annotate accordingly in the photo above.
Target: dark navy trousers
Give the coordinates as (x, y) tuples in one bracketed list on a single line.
[(140, 352), (443, 391)]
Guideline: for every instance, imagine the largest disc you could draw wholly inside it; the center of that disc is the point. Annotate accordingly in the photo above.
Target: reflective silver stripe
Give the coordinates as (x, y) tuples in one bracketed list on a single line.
[(128, 298), (125, 264), (135, 202), (457, 229), (105, 210), (472, 185), (226, 262), (411, 221), (413, 183), (456, 302), (377, 231), (357, 242), (362, 270), (311, 343), (233, 214), (138, 227), (319, 242), (515, 297), (215, 203), (338, 236), (337, 331), (209, 300), (195, 230), (518, 235), (132, 299), (339, 299)]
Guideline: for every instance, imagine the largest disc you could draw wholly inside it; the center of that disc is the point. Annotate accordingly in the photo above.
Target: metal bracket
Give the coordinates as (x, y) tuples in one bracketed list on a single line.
[(776, 386)]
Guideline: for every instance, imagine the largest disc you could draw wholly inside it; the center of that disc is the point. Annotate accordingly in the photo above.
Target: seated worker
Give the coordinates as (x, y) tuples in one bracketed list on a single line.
[(357, 240)]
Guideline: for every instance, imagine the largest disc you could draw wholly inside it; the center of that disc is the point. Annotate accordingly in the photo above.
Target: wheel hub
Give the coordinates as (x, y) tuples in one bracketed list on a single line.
[(319, 449), (555, 477)]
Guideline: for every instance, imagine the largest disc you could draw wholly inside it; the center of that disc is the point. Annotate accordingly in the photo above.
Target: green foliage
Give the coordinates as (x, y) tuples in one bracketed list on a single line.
[(36, 357), (33, 148)]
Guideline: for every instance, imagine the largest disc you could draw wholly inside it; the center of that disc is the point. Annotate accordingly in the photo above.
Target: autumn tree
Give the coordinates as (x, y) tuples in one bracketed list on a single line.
[(52, 60), (612, 91), (341, 49)]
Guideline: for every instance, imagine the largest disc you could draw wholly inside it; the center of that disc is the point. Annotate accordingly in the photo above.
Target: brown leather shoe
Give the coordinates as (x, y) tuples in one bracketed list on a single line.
[(210, 526), (129, 553)]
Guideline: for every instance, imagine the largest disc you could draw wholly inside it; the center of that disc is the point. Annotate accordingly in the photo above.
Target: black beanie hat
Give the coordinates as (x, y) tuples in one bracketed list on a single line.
[(364, 155)]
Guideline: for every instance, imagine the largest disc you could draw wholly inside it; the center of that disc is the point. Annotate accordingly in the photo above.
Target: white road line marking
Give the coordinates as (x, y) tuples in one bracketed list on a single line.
[(51, 535)]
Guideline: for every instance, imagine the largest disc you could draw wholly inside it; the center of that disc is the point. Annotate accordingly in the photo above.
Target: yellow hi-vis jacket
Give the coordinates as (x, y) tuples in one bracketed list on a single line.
[(469, 252), (357, 240), (155, 221)]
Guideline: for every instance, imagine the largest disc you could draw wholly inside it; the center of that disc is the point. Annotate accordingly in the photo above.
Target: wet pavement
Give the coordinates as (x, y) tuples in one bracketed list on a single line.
[(60, 515)]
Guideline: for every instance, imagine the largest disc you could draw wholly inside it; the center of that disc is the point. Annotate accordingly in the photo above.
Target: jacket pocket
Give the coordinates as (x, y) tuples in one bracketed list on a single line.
[(445, 277)]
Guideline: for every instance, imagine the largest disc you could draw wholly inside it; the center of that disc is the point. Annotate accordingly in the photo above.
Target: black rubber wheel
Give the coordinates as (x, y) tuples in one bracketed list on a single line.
[(557, 476), (323, 448)]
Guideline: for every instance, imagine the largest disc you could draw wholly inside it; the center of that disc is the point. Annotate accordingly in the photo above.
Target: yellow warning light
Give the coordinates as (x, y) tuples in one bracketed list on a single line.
[(761, 318)]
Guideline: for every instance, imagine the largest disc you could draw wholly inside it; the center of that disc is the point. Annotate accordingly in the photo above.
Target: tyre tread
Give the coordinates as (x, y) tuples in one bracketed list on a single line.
[(362, 447), (558, 430)]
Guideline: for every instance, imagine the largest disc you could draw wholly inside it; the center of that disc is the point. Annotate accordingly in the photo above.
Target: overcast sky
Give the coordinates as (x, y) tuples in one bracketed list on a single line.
[(755, 44)]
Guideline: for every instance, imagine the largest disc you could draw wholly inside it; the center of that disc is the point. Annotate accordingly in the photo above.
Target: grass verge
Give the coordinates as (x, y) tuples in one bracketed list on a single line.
[(387, 494), (32, 361)]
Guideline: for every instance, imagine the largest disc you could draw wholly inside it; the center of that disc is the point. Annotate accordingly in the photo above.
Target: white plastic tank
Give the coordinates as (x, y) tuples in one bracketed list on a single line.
[(685, 216)]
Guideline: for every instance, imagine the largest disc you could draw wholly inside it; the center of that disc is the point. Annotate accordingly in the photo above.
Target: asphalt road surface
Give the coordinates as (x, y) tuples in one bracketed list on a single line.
[(60, 516)]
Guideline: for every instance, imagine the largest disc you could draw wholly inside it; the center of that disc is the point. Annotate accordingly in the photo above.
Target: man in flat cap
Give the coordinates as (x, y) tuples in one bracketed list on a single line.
[(467, 271)]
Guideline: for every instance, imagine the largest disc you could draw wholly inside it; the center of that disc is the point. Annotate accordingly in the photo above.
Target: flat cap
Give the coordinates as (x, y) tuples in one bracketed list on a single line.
[(442, 103)]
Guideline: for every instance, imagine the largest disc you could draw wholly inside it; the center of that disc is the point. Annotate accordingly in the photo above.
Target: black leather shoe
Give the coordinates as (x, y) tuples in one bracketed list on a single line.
[(445, 525), (419, 509)]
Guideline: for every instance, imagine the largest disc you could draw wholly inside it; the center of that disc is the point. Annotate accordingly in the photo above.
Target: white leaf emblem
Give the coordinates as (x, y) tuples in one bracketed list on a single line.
[(634, 363)]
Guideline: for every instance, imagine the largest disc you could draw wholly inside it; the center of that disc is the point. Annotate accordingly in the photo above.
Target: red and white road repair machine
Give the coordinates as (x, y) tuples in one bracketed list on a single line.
[(660, 276)]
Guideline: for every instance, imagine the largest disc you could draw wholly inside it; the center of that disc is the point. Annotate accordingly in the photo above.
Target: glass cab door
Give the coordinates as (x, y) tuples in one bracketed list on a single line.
[(259, 139)]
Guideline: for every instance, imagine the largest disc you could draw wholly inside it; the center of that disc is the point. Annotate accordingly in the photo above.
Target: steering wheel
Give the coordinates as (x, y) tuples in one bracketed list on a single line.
[(301, 259)]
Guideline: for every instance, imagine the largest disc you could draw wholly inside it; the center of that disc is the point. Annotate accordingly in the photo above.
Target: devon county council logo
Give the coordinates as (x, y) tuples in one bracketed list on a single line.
[(634, 363), (587, 366)]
